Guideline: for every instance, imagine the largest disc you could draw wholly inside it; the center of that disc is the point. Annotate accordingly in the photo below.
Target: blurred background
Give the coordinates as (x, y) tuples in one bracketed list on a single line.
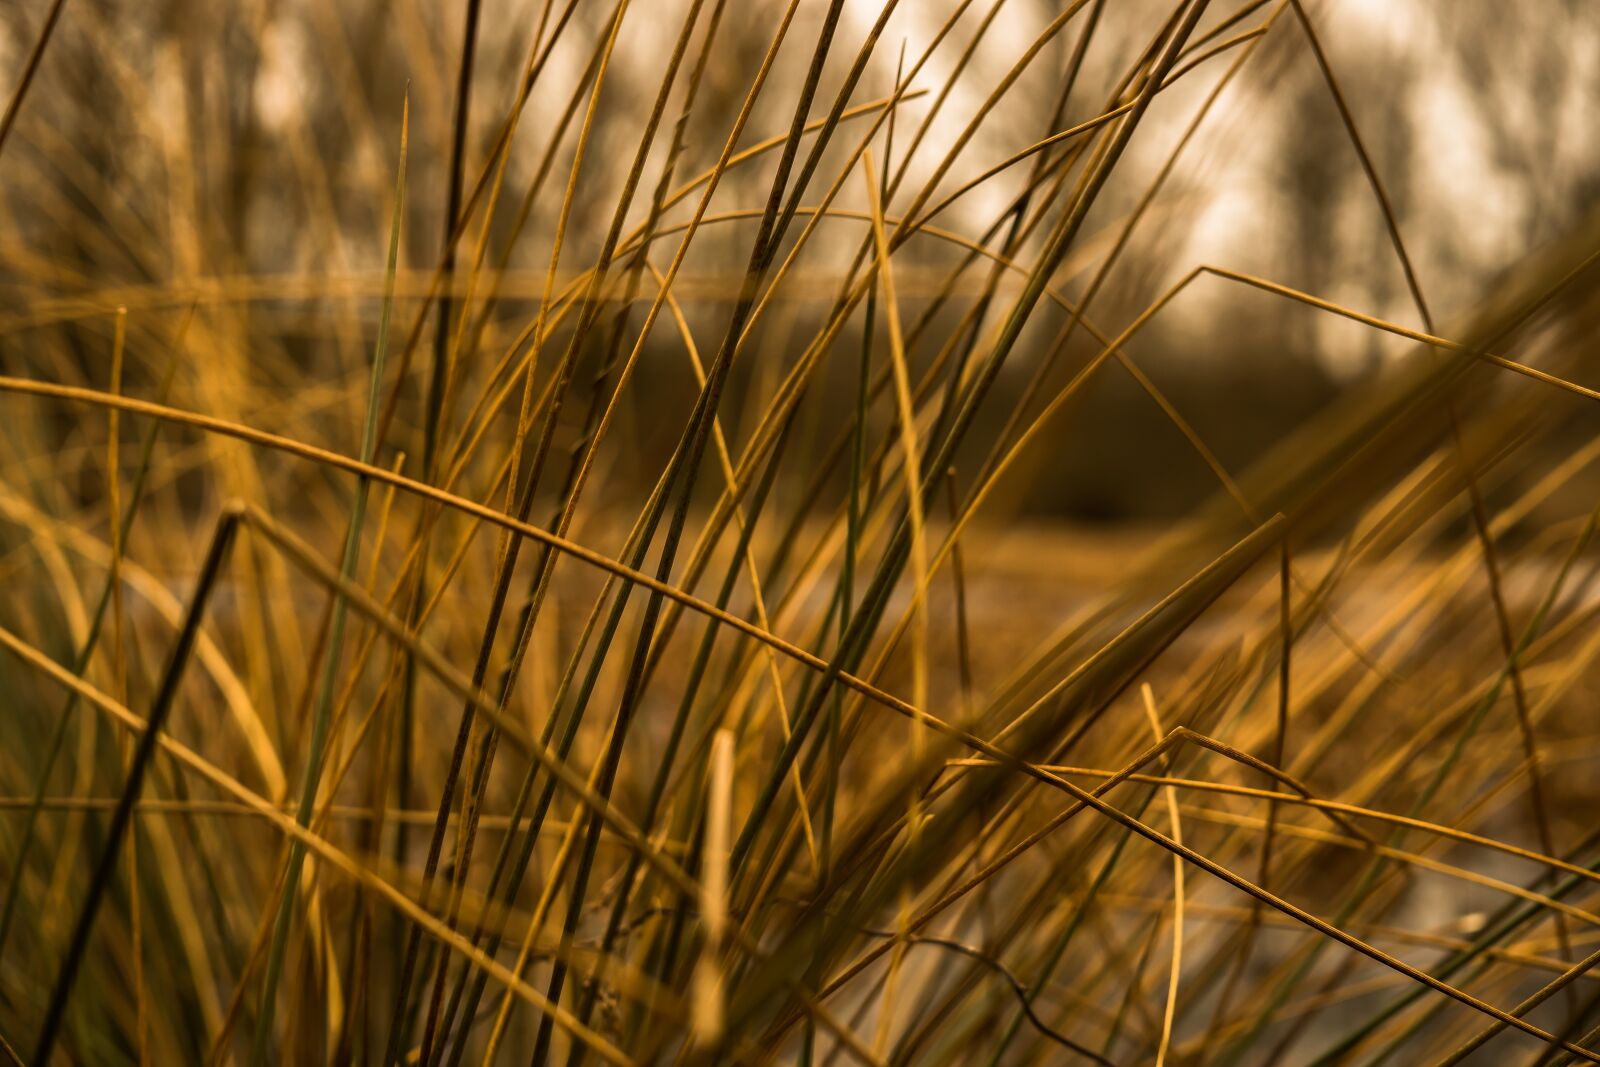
[(238, 156)]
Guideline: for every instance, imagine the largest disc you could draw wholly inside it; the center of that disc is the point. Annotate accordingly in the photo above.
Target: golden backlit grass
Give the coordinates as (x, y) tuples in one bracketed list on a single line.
[(646, 656)]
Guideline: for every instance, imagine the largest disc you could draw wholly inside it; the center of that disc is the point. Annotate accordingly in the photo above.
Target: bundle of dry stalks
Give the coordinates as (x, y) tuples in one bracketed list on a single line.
[(554, 531)]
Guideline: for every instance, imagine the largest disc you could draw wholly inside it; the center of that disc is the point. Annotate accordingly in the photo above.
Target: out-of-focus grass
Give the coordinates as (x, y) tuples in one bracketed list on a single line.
[(648, 650)]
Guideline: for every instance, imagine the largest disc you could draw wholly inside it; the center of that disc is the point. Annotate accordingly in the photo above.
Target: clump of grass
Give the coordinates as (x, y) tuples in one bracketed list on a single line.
[(618, 631)]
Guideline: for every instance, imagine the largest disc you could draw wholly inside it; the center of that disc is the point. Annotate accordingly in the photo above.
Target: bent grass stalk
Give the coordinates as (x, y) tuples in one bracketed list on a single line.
[(739, 772)]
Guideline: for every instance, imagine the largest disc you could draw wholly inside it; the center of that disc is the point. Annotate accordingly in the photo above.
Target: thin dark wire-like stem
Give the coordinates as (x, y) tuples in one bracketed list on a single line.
[(29, 69), (452, 206), (111, 850)]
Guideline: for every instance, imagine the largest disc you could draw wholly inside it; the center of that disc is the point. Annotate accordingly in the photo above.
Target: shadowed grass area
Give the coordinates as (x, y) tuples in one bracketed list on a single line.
[(698, 533)]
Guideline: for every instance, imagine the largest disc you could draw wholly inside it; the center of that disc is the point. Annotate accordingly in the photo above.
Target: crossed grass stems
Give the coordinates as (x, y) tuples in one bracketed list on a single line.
[(900, 822)]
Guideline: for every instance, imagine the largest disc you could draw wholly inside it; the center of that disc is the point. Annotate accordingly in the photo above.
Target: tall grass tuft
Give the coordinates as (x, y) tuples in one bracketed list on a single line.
[(808, 531)]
